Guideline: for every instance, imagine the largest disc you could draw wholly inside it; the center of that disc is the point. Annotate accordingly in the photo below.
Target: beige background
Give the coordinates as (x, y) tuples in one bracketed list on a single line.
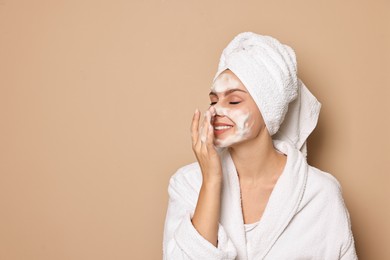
[(96, 99)]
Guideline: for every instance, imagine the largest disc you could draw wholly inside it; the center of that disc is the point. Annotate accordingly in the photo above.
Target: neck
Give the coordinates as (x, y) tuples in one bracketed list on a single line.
[(257, 160)]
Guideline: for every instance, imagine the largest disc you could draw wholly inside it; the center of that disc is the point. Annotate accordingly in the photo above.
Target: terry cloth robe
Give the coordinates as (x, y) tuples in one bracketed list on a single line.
[(305, 217)]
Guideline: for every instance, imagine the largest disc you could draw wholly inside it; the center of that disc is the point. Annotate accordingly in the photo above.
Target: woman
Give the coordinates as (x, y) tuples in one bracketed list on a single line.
[(252, 195)]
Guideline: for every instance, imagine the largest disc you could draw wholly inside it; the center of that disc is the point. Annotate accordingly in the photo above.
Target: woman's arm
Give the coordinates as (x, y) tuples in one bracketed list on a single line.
[(198, 235), (181, 239), (207, 212)]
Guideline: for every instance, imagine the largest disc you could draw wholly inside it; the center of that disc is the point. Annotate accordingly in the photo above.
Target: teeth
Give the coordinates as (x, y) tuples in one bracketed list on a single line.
[(222, 127)]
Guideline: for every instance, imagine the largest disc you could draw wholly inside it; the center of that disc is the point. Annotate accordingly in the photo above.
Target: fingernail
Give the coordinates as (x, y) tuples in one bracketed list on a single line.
[(196, 111)]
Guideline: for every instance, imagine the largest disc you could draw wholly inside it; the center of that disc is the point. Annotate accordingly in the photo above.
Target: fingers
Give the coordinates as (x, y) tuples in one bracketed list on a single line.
[(203, 138), (205, 127), (208, 144), (210, 135), (196, 134), (194, 127)]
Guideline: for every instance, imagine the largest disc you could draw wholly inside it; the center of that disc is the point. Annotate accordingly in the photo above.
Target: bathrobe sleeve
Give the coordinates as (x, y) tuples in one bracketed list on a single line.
[(349, 251), (339, 221), (181, 239)]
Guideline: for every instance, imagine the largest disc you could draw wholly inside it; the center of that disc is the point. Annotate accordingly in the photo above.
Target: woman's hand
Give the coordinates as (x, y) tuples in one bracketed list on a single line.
[(207, 211), (203, 147)]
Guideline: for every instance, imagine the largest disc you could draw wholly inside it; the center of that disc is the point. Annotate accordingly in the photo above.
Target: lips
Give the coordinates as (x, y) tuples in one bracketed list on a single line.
[(220, 128)]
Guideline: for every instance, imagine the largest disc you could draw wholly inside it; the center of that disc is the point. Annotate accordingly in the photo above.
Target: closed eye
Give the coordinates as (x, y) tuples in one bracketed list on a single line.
[(231, 103)]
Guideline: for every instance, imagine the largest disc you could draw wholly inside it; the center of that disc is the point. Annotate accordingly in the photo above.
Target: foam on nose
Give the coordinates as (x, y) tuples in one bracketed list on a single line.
[(221, 111)]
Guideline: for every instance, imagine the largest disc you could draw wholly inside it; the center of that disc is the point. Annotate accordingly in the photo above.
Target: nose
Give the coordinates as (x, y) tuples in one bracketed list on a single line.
[(219, 110)]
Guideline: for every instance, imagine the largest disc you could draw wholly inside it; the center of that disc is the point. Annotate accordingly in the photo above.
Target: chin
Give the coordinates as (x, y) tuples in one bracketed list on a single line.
[(228, 142), (220, 144), (217, 144), (233, 141)]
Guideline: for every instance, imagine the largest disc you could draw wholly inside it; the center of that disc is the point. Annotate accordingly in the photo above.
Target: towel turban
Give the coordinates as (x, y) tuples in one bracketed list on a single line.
[(268, 69)]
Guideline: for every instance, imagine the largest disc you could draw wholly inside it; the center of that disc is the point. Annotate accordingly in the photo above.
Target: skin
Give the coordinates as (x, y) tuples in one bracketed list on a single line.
[(258, 163), (233, 106)]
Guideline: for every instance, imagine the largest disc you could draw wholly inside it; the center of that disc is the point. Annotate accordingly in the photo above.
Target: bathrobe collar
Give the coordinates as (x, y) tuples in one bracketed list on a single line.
[(282, 205)]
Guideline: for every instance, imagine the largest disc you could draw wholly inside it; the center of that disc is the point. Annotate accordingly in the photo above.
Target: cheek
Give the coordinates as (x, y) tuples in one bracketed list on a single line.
[(241, 118)]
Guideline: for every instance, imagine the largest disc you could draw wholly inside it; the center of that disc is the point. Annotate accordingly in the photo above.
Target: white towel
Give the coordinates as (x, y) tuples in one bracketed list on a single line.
[(268, 69)]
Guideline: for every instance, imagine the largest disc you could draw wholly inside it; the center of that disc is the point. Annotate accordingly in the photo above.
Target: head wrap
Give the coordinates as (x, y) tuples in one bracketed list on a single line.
[(268, 69)]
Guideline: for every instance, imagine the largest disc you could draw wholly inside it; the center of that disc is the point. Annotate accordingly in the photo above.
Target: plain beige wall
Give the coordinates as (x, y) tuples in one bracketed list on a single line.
[(96, 99)]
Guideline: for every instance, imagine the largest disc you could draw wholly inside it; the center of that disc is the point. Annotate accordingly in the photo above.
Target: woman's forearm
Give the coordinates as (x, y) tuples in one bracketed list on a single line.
[(207, 211)]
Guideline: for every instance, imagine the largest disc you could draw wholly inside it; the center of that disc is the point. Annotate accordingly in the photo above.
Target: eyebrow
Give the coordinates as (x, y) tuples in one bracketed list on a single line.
[(228, 91)]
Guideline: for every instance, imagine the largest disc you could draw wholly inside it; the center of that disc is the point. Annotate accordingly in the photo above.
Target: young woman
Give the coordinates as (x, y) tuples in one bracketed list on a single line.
[(251, 193)]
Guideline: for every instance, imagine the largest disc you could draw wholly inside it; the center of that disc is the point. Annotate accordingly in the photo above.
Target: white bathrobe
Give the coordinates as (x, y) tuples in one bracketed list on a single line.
[(305, 217)]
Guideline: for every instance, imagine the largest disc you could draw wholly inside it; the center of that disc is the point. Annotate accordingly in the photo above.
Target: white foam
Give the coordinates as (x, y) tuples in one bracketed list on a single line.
[(224, 83), (241, 128)]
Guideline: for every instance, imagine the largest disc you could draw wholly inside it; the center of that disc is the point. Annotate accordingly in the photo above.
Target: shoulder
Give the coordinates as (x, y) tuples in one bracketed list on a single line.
[(324, 195), (188, 173), (186, 182), (324, 192), (323, 180)]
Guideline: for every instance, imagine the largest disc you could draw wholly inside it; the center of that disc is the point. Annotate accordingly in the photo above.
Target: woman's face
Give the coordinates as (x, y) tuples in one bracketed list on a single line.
[(237, 117)]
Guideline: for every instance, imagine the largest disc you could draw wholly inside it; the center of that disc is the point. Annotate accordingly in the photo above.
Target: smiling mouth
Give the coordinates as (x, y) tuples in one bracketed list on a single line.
[(222, 127)]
